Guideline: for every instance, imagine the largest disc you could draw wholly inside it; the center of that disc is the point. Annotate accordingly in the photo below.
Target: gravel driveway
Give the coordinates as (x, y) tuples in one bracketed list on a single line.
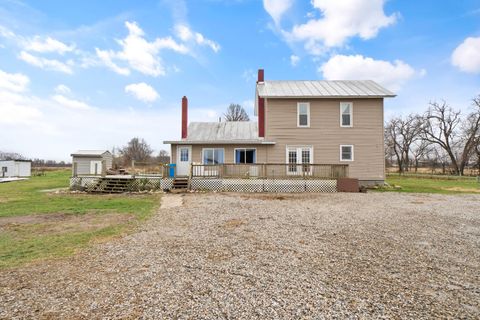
[(375, 255)]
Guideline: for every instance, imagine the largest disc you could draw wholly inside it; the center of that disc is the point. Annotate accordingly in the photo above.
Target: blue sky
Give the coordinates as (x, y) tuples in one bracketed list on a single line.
[(92, 74)]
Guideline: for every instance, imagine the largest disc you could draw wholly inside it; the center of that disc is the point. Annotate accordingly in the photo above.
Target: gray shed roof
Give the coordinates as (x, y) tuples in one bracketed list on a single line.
[(322, 89), (92, 153), (229, 132)]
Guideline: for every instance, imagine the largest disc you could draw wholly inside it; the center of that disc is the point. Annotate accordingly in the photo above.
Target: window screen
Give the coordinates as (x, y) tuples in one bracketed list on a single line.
[(347, 153), (303, 114), (346, 114)]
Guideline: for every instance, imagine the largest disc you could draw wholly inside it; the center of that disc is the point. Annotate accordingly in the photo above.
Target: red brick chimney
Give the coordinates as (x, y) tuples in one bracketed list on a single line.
[(184, 117), (261, 107)]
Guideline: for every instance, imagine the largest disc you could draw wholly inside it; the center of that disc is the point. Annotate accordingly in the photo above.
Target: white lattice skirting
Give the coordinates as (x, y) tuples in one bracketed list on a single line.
[(264, 185), (209, 184)]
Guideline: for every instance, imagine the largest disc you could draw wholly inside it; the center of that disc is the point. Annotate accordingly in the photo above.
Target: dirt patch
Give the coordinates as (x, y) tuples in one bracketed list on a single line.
[(171, 201), (460, 189), (41, 218), (270, 196), (233, 223), (59, 223), (220, 255)]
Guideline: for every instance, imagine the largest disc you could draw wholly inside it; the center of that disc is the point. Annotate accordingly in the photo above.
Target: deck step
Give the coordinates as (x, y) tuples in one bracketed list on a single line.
[(110, 185), (181, 184)]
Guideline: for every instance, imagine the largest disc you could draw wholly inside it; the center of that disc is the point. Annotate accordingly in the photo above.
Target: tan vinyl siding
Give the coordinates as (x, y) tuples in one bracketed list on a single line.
[(229, 152), (326, 135)]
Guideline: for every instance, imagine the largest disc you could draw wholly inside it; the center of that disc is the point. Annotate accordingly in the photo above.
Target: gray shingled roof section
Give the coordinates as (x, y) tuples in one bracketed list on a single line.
[(89, 152), (223, 131), (322, 89)]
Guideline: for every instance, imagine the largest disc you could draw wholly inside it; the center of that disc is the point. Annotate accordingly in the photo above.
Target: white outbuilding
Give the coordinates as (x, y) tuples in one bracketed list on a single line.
[(91, 162), (15, 168)]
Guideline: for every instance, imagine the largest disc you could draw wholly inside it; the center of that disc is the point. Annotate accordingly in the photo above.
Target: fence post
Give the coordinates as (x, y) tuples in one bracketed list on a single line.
[(75, 169), (104, 168)]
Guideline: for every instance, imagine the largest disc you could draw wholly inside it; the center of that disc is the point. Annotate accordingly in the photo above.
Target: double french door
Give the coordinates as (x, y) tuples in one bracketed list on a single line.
[(299, 160)]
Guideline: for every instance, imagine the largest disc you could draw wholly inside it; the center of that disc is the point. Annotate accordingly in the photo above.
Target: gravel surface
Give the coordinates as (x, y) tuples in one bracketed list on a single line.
[(375, 255)]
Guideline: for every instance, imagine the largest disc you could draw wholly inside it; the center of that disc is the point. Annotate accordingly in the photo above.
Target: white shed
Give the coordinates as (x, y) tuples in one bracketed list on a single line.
[(90, 162), (15, 168)]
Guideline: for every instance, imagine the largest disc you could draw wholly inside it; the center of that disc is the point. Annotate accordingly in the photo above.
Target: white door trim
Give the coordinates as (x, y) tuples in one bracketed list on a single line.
[(183, 167), (98, 167)]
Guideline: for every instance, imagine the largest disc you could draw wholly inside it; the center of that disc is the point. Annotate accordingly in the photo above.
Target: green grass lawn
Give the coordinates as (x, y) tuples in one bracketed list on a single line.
[(429, 185), (37, 223)]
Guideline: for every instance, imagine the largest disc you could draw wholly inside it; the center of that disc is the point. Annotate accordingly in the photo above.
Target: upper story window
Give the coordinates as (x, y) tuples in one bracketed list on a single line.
[(346, 114), (346, 153), (303, 114)]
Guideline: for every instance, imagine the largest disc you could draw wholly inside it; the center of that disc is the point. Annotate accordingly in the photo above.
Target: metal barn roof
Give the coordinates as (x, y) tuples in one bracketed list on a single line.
[(93, 153), (322, 89), (228, 132)]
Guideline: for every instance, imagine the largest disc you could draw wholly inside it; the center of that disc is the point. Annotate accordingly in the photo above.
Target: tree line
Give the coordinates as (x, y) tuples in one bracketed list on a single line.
[(441, 136)]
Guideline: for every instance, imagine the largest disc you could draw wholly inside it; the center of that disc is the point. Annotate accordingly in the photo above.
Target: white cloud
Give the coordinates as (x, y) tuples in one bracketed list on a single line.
[(140, 54), (14, 107), (186, 34), (249, 75), (106, 58), (15, 82), (277, 8), (44, 63), (70, 103), (340, 21), (294, 60), (142, 92), (62, 89), (48, 44), (466, 56), (391, 75)]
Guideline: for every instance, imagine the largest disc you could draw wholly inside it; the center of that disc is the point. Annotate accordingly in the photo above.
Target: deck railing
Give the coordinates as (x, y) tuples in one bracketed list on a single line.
[(269, 170)]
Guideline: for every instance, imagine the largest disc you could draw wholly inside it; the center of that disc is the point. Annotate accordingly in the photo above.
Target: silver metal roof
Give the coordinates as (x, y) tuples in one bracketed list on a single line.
[(323, 89), (228, 132), (89, 152)]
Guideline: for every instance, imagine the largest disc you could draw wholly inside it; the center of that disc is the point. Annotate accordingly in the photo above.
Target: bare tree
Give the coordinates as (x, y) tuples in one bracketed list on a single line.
[(235, 112), (420, 150), (163, 156), (401, 133), (11, 156), (136, 149), (444, 127)]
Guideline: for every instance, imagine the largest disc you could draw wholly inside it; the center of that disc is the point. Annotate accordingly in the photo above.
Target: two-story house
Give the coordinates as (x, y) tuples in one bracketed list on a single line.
[(299, 122)]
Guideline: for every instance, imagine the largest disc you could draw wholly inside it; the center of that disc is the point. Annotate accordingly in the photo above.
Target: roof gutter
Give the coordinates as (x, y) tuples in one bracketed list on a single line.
[(253, 142)]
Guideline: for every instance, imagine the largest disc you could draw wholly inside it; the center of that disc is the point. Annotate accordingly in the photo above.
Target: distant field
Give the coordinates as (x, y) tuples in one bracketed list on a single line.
[(446, 185), (38, 220)]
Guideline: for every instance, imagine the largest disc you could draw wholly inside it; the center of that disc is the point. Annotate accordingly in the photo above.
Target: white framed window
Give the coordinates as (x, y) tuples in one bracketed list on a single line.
[(346, 114), (184, 154), (297, 158), (303, 114), (346, 152), (213, 155)]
